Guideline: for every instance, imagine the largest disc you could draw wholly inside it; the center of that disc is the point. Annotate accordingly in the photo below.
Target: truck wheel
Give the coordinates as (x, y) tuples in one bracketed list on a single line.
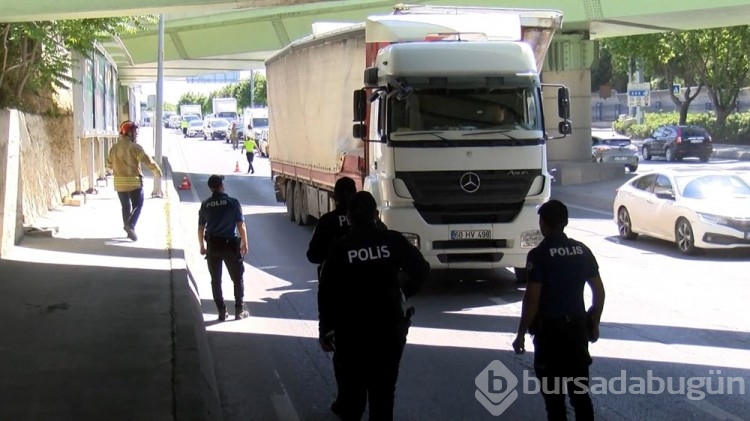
[(300, 204), (289, 197)]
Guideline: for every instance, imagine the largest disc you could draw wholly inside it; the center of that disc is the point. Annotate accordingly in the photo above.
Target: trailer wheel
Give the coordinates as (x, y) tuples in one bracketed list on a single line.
[(300, 204), (289, 198)]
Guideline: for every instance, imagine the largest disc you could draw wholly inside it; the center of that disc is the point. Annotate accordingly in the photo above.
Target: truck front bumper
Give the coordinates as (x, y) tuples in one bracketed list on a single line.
[(468, 246)]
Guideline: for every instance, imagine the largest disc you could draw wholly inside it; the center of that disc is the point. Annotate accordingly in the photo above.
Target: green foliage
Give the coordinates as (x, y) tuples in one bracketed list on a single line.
[(241, 92), (194, 98), (36, 57), (735, 131)]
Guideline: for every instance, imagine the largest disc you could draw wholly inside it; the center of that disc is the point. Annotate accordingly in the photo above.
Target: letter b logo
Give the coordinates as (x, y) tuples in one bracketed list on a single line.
[(496, 388)]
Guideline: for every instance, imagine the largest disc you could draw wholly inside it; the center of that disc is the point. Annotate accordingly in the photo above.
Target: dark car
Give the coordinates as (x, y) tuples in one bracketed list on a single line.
[(677, 142)]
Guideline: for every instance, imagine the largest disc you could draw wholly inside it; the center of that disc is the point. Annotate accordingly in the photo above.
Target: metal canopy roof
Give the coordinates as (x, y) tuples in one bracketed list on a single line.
[(212, 36)]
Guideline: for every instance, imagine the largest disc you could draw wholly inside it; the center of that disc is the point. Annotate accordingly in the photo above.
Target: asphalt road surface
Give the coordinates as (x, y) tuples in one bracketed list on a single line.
[(670, 320)]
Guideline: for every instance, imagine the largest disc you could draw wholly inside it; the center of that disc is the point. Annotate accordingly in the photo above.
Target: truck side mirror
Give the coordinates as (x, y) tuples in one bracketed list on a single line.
[(565, 127), (563, 103), (360, 105), (371, 77), (359, 131)]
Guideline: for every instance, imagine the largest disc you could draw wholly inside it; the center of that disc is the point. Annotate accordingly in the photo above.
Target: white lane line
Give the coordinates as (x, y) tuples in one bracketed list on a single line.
[(714, 410), (282, 404), (589, 209)]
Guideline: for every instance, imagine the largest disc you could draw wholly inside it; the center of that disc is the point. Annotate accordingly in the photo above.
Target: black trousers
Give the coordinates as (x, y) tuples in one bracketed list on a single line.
[(132, 203), (225, 251), (367, 373), (250, 156), (561, 363)]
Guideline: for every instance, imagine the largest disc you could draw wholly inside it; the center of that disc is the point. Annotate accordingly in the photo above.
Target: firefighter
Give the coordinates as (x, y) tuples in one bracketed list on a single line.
[(125, 159)]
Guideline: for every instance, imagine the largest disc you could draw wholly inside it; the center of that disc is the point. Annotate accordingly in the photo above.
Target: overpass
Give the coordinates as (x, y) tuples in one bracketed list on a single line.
[(211, 36)]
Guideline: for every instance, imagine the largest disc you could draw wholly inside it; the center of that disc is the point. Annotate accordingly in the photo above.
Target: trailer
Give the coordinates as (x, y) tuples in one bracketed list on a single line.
[(437, 111)]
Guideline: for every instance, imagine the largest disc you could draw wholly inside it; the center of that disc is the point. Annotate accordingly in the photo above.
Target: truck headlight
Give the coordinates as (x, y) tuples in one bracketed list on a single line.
[(412, 238), (531, 239)]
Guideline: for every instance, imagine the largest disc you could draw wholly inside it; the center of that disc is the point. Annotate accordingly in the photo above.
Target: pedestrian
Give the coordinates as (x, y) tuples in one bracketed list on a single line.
[(185, 125), (233, 135), (249, 148), (221, 225), (362, 309), (125, 159), (554, 313)]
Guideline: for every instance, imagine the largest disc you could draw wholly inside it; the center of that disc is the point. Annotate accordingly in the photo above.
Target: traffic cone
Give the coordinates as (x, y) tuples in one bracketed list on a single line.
[(185, 185), (237, 166)]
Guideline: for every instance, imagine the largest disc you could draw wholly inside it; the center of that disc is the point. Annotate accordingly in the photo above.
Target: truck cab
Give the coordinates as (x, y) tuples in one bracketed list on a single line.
[(455, 135)]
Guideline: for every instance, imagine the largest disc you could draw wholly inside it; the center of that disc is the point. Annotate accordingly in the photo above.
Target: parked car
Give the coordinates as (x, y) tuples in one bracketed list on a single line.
[(215, 128), (614, 148), (677, 142), (195, 128), (694, 208)]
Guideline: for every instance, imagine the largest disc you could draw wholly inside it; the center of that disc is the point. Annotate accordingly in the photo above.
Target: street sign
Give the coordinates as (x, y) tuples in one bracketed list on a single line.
[(676, 88), (639, 94)]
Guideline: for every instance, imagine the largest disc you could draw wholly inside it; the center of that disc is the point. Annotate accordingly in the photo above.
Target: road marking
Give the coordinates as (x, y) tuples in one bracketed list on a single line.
[(282, 404), (714, 410), (589, 209)]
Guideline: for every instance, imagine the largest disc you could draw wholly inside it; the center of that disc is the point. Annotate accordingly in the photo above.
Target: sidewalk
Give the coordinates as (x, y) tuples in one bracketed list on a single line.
[(98, 327)]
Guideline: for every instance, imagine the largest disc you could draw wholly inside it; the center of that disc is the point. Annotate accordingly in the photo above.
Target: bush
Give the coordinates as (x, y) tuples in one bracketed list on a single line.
[(736, 131)]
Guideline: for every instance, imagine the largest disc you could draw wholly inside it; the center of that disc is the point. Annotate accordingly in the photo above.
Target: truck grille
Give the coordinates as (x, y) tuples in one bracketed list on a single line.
[(440, 198)]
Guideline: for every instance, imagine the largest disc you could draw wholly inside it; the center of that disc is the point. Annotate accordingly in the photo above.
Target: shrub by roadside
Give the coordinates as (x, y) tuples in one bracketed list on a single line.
[(736, 131)]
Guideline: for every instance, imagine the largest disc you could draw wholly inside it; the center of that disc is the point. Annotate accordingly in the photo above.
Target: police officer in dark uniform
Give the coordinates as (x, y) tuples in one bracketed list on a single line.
[(554, 312), (222, 225), (362, 314), (334, 224), (331, 227)]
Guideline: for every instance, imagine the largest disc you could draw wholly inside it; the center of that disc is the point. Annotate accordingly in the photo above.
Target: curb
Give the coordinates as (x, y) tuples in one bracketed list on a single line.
[(196, 392)]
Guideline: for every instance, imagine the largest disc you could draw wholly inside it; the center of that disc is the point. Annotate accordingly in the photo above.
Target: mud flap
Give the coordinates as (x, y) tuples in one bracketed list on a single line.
[(278, 189)]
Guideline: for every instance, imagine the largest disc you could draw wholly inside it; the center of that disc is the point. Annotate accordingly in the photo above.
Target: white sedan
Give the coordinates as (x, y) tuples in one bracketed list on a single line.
[(692, 207)]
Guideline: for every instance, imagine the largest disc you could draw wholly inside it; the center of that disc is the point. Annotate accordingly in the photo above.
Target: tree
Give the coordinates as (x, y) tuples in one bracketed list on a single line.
[(194, 98), (664, 54), (260, 89), (723, 66), (36, 57)]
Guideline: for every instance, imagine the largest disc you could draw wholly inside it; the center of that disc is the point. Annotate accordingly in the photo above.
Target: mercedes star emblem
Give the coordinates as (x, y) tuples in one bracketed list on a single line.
[(469, 182)]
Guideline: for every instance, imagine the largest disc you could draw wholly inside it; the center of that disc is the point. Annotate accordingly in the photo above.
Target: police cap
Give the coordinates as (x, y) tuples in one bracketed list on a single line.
[(554, 213), (215, 181)]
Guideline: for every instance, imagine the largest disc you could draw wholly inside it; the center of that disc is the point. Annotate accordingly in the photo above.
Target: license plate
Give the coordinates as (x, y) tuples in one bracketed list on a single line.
[(470, 234), (696, 140), (621, 158)]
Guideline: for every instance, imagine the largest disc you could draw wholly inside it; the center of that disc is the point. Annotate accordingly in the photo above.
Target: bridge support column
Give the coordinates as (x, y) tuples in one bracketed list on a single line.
[(568, 62)]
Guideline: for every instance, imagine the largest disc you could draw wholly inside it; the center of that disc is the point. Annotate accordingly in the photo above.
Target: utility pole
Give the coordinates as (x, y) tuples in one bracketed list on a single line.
[(159, 107), (252, 89)]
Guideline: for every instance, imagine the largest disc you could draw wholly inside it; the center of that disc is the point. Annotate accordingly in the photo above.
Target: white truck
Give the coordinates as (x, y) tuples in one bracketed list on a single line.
[(191, 109), (225, 108), (258, 119), (449, 132)]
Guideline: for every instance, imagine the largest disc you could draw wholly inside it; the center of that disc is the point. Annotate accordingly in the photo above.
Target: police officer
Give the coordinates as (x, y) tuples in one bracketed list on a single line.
[(331, 227), (249, 147), (554, 312), (361, 304), (220, 221)]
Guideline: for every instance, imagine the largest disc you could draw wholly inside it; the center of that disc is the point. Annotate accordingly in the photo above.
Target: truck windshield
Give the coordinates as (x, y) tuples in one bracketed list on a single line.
[(463, 107), (260, 122)]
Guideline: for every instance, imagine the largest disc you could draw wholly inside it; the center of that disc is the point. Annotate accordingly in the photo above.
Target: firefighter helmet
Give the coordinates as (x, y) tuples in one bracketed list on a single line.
[(127, 128)]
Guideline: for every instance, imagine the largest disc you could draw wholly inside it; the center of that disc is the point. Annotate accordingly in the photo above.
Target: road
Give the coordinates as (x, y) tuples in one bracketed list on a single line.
[(676, 316)]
